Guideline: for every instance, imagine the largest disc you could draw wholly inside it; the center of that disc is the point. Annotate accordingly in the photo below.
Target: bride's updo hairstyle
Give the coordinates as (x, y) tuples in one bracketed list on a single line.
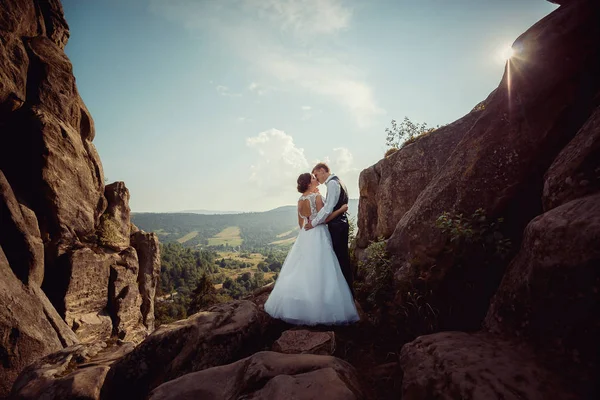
[(304, 182)]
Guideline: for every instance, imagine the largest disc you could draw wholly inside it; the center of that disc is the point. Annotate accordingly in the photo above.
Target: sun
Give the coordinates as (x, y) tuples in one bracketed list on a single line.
[(506, 53)]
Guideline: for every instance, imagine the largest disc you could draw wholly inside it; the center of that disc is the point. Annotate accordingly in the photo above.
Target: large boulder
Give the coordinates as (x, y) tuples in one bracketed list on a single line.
[(76, 372), (576, 170), (268, 375), (458, 365), (389, 188), (498, 166), (550, 294), (221, 335)]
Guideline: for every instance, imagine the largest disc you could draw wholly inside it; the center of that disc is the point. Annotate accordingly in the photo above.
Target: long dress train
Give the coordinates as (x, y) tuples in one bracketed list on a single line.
[(311, 288)]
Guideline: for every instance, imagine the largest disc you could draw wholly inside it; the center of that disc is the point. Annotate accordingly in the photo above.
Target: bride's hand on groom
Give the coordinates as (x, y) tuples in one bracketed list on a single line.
[(344, 208)]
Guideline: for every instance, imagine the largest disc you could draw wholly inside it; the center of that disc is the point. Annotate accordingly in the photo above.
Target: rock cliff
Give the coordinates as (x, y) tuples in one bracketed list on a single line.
[(530, 157), (73, 271), (78, 275)]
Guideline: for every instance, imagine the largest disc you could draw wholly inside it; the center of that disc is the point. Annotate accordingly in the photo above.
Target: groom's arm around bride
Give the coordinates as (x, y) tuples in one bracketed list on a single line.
[(337, 196)]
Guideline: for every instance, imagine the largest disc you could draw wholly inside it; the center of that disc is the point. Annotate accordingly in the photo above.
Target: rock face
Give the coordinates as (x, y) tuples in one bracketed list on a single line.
[(25, 332), (267, 375), (550, 294), (389, 188), (530, 157), (499, 164), (20, 236), (67, 255), (457, 365), (113, 231), (218, 336), (86, 295), (301, 341), (147, 248), (124, 299), (77, 372), (576, 170)]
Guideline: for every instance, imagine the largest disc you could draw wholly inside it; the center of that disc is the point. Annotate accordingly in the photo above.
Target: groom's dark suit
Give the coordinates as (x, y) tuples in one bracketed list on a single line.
[(337, 196), (339, 230)]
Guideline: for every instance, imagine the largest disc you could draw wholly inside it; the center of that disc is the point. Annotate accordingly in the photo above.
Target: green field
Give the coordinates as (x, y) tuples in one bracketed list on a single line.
[(284, 234), (229, 236), (254, 259), (284, 242), (187, 237)]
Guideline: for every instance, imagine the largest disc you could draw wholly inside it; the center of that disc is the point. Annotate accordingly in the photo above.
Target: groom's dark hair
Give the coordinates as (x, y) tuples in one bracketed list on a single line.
[(321, 165)]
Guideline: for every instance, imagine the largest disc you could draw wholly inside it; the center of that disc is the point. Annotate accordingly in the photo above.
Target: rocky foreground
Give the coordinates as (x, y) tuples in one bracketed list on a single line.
[(78, 279)]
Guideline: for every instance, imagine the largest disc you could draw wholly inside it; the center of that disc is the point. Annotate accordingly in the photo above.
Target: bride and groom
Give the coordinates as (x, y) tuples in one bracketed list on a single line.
[(315, 283)]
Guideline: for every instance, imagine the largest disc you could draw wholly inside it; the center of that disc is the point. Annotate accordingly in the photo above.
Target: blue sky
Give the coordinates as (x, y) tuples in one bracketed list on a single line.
[(202, 104)]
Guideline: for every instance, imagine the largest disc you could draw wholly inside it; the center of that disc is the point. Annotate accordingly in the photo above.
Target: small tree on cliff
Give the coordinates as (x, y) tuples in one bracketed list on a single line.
[(405, 132)]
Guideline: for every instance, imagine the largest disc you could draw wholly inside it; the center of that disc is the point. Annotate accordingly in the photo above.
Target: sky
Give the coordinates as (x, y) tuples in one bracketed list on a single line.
[(221, 104)]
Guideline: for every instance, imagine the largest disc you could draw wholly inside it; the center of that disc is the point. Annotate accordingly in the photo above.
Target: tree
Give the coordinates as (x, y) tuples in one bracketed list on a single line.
[(205, 295), (405, 132)]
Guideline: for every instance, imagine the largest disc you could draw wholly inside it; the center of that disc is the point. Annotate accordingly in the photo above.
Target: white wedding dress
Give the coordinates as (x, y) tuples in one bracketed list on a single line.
[(311, 288)]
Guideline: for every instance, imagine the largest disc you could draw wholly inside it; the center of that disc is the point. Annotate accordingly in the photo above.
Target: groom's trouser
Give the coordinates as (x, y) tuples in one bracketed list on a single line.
[(339, 231)]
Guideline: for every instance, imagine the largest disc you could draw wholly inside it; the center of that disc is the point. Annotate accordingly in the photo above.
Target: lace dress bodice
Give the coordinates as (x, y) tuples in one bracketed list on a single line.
[(312, 199)]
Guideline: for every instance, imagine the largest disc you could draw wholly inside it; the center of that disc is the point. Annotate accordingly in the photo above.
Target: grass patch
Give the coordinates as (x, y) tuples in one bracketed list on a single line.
[(229, 236), (253, 259), (284, 234), (284, 242), (187, 237)]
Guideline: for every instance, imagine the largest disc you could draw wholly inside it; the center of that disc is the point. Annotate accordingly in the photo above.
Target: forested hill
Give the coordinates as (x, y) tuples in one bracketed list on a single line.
[(248, 230)]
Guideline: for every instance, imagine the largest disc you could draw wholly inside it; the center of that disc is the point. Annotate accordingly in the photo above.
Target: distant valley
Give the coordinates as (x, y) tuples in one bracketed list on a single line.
[(227, 230)]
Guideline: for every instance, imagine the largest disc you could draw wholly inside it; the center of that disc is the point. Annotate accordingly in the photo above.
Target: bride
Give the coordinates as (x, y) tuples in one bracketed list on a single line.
[(311, 288)]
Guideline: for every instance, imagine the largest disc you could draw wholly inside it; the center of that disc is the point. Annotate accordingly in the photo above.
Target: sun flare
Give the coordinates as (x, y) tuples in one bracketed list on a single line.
[(506, 53)]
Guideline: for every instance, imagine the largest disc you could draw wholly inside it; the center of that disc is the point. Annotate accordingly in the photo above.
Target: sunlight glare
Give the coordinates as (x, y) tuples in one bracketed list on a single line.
[(506, 53)]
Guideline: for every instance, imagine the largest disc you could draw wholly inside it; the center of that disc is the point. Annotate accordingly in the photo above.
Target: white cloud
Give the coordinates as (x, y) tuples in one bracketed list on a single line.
[(224, 91), (305, 17), (303, 60), (306, 108), (279, 162), (326, 76), (259, 88)]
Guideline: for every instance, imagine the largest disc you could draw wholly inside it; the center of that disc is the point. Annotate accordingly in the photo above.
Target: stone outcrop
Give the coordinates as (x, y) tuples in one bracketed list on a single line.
[(76, 372), (268, 375), (221, 335), (148, 251), (302, 341), (68, 258), (86, 296), (550, 294), (114, 227), (20, 236), (25, 332), (389, 188), (124, 299), (458, 365), (576, 170), (500, 163)]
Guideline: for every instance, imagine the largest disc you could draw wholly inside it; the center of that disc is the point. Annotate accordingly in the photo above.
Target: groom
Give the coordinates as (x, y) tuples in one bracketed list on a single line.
[(337, 196)]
